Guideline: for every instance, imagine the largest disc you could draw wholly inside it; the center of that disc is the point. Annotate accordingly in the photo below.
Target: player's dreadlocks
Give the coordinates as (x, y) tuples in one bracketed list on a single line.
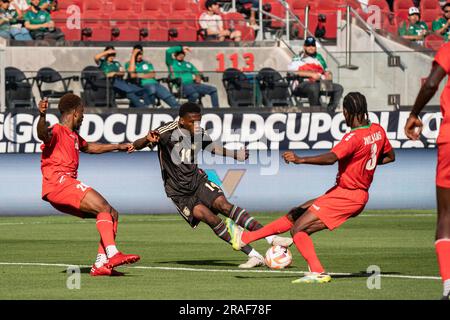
[(356, 105), (68, 103)]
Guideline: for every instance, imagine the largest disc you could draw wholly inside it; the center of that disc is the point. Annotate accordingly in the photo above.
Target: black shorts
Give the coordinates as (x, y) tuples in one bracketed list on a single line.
[(205, 194)]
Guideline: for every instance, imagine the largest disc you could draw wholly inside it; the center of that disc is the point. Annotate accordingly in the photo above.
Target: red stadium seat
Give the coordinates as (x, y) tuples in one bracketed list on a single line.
[(95, 19), (277, 10), (121, 18), (329, 9), (428, 16), (434, 42), (430, 5), (402, 5), (237, 21)]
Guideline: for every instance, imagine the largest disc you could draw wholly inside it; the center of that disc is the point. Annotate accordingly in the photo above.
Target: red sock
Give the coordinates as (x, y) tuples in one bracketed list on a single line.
[(280, 225), (115, 226), (305, 246), (105, 228), (443, 256)]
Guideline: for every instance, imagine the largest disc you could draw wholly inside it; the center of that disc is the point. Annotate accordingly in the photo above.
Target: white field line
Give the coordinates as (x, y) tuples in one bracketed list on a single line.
[(364, 215), (216, 270)]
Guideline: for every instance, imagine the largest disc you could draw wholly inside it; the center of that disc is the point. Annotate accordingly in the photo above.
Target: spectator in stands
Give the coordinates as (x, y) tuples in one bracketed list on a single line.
[(311, 66), (414, 30), (212, 23), (143, 71), (114, 71), (255, 8), (441, 26), (40, 24), (47, 5), (191, 80), (22, 5), (9, 26)]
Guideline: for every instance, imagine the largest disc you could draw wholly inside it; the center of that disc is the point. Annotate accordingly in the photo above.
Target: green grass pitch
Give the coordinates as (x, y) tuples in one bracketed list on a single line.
[(181, 263)]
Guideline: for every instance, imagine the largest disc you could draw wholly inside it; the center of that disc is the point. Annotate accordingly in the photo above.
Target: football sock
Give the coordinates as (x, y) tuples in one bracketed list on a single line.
[(101, 260), (244, 219), (105, 228), (443, 256), (221, 231), (101, 255), (111, 251), (115, 226), (269, 239), (305, 246), (280, 225), (254, 253)]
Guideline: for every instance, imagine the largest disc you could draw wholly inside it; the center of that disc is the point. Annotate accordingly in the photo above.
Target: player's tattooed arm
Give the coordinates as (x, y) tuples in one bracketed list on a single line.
[(324, 159), (387, 157), (150, 140), (97, 148), (414, 125), (44, 133)]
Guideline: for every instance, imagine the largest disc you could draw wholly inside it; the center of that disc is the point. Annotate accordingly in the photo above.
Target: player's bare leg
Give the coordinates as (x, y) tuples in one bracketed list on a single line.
[(202, 213), (240, 238), (107, 223), (242, 218), (304, 226), (443, 237)]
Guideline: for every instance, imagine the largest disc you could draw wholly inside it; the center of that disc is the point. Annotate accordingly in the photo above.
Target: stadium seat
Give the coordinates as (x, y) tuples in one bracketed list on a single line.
[(236, 21), (240, 91), (18, 89), (97, 91), (430, 5), (277, 10), (434, 42), (121, 18), (95, 19), (428, 16), (274, 88), (329, 9), (51, 76)]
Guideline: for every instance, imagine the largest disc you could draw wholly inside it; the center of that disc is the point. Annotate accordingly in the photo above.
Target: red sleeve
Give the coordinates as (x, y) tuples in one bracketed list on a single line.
[(347, 146), (443, 57), (83, 143), (387, 145)]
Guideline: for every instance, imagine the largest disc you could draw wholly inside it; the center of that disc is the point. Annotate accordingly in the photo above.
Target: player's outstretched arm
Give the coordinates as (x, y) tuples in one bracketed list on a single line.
[(414, 125), (240, 155), (387, 157), (325, 159), (97, 148), (150, 140), (43, 130)]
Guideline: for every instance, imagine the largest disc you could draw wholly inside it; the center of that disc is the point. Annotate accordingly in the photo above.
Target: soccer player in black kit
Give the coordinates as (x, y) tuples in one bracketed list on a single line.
[(196, 198)]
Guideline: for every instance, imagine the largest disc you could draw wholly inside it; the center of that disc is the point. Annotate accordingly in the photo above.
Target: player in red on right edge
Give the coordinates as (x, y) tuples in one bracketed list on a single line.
[(358, 153), (60, 187), (413, 128)]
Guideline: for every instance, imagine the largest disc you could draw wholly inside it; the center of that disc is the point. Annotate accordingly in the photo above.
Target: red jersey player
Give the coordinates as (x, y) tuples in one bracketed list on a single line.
[(358, 154), (413, 128), (60, 187)]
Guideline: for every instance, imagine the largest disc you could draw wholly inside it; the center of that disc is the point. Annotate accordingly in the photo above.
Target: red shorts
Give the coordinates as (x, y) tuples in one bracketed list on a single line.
[(338, 205), (66, 196), (443, 165)]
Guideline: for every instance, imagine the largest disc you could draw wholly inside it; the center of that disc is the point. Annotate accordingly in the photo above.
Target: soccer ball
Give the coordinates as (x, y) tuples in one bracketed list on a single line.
[(278, 257)]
